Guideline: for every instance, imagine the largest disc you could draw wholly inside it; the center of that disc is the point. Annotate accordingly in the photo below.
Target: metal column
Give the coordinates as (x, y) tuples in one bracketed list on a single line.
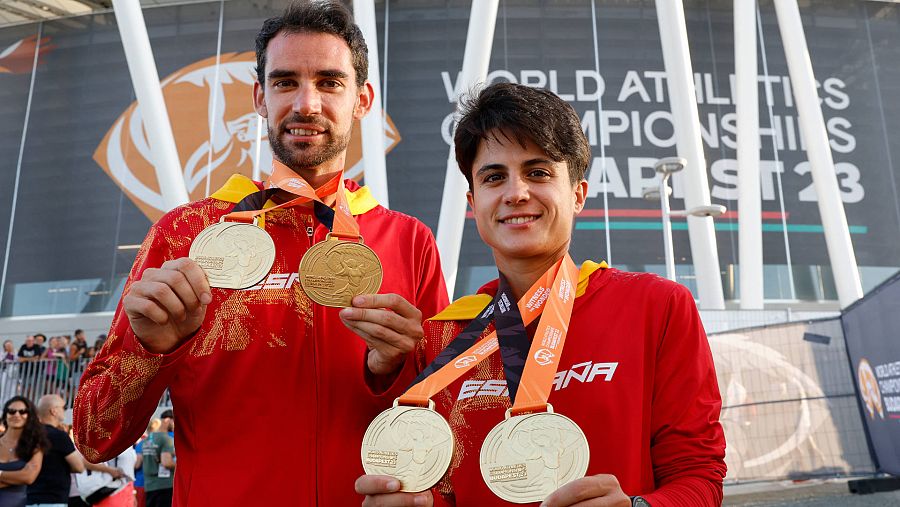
[(480, 38), (680, 80), (372, 125), (812, 127), (145, 80), (749, 200)]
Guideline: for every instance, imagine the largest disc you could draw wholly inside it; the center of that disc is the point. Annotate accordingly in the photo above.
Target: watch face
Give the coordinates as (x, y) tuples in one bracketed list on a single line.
[(639, 502)]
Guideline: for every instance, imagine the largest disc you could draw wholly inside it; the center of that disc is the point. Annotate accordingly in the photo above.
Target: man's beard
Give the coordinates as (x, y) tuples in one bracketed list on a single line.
[(299, 156)]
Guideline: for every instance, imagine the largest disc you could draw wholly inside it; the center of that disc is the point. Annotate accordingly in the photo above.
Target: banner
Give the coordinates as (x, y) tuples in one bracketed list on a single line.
[(871, 329), (87, 186)]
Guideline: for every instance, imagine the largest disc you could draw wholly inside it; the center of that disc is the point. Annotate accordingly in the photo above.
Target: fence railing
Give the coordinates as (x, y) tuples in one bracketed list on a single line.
[(36, 378)]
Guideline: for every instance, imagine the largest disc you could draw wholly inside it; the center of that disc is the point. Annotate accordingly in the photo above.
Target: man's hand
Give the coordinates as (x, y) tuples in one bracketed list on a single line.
[(384, 491), (594, 491), (167, 304), (389, 324)]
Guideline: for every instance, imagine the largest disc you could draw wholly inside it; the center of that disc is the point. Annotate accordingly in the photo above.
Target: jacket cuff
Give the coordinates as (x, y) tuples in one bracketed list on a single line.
[(132, 344), (391, 385)]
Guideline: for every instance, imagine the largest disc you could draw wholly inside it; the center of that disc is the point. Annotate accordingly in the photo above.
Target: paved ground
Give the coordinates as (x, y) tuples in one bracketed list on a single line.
[(816, 493)]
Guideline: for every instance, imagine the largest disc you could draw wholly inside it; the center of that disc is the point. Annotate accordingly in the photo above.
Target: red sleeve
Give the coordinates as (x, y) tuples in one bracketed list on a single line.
[(122, 385), (688, 444)]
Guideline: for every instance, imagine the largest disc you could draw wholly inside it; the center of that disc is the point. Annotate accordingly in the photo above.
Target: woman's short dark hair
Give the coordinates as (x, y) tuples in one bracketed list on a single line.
[(315, 16), (34, 436), (520, 113)]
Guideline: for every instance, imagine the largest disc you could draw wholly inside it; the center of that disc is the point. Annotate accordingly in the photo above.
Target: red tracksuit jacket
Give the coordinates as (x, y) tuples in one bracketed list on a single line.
[(636, 375), (270, 396)]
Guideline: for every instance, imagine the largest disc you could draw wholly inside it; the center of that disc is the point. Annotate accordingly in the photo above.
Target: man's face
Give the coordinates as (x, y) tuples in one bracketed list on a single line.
[(168, 424), (59, 411), (523, 202), (310, 99), (40, 340), (29, 341)]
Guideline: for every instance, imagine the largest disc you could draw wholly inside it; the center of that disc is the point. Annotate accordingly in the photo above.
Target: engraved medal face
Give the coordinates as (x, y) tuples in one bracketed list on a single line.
[(234, 255), (411, 444), (332, 272), (527, 457)]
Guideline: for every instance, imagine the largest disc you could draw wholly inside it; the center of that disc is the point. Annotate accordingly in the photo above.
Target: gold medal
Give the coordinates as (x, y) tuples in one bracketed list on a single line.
[(235, 255), (333, 271), (527, 457), (412, 444)]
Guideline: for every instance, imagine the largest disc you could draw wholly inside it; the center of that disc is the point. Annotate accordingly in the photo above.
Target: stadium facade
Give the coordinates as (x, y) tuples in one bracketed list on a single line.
[(78, 190)]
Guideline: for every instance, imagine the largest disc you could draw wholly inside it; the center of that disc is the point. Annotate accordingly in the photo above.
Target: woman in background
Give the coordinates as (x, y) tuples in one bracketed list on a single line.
[(22, 449)]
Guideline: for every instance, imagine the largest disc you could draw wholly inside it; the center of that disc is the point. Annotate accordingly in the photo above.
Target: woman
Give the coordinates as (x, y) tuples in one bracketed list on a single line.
[(9, 352), (22, 448)]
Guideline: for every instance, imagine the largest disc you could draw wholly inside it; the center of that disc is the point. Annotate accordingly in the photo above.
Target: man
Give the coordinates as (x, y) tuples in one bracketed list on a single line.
[(30, 351), (51, 488), (40, 340), (635, 372), (158, 463), (30, 372), (267, 354), (79, 346)]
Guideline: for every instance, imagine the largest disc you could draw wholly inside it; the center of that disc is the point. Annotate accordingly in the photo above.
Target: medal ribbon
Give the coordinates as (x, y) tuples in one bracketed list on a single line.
[(551, 298), (344, 226)]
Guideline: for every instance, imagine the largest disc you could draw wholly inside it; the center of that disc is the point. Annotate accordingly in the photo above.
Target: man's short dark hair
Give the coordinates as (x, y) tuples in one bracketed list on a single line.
[(167, 414), (315, 16), (520, 113)]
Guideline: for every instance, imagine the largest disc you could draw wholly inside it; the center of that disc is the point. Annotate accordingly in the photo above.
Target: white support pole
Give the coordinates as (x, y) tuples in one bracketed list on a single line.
[(812, 127), (256, 175), (749, 203), (680, 79), (667, 226), (372, 125), (145, 80), (479, 40)]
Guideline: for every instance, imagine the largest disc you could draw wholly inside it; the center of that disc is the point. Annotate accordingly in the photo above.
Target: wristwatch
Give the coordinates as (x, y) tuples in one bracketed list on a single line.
[(638, 501)]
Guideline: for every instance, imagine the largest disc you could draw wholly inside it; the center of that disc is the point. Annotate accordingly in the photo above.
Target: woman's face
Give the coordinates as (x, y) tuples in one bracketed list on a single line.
[(8, 346), (16, 415)]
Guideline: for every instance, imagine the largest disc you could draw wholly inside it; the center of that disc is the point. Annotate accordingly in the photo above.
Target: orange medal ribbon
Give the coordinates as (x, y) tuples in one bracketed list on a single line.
[(344, 227), (551, 298)]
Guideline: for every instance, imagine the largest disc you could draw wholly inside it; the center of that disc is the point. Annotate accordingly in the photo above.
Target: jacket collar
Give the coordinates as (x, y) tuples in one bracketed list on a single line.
[(468, 307), (239, 186)]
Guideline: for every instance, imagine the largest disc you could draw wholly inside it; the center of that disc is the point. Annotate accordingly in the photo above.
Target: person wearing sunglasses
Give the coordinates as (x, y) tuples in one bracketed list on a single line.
[(61, 459), (22, 449)]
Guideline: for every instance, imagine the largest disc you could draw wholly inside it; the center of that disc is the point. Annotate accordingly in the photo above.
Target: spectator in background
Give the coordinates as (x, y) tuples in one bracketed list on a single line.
[(30, 351), (159, 463), (98, 344), (41, 341), (9, 373), (22, 449), (51, 489), (79, 346), (140, 495), (119, 469), (58, 370), (9, 352)]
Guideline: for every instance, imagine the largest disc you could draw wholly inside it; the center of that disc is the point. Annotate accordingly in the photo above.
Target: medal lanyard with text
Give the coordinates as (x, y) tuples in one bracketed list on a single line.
[(344, 226), (551, 298)]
